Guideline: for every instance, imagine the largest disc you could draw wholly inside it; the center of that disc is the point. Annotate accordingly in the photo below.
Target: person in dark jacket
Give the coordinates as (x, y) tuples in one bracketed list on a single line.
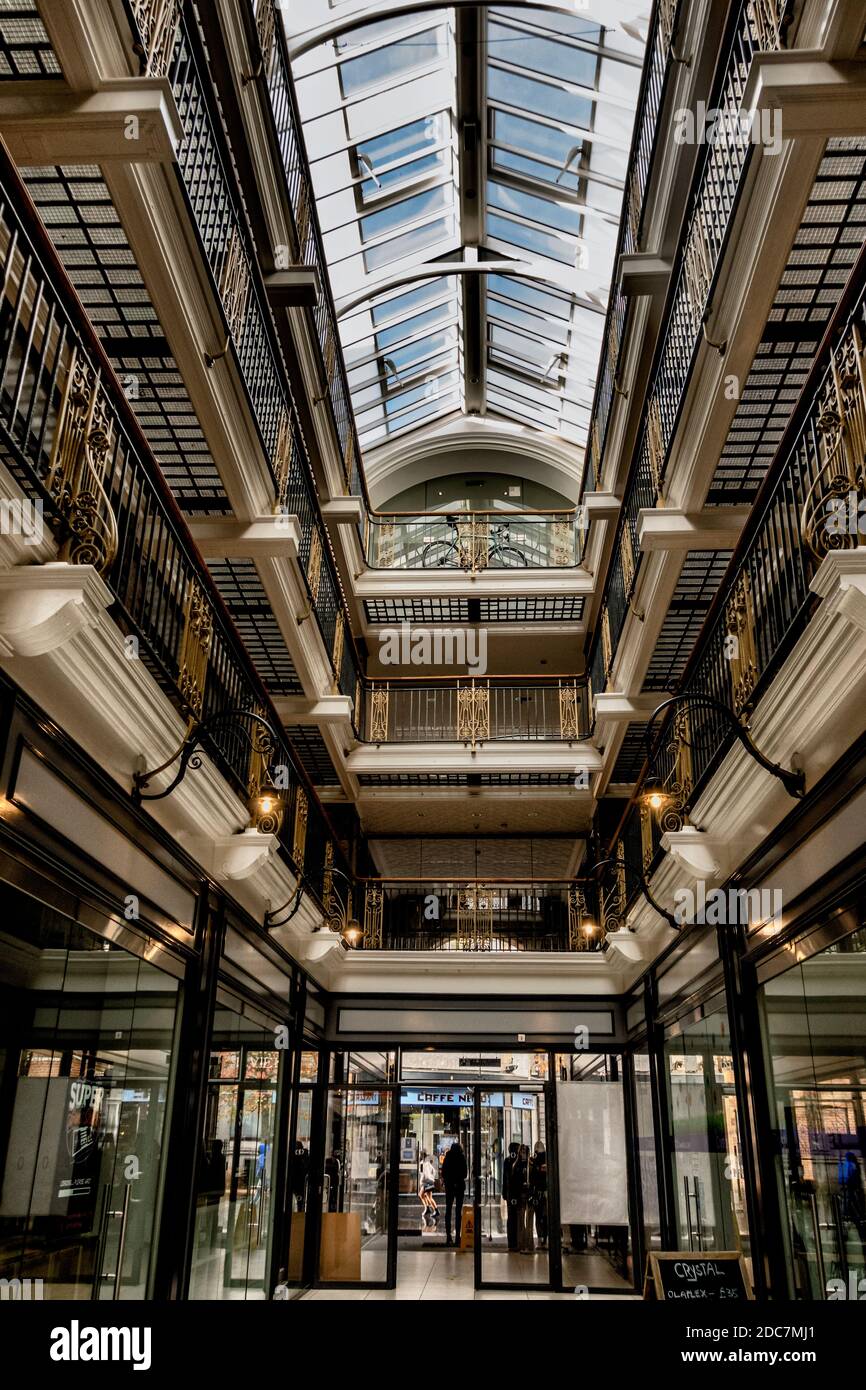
[(538, 1191), (454, 1178), (511, 1194)]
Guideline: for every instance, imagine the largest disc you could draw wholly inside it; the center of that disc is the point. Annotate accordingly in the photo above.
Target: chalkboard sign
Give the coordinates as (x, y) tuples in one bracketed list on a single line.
[(689, 1276)]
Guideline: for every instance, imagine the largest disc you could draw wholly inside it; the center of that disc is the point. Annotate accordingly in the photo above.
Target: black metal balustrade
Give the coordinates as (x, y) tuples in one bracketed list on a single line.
[(272, 67), (465, 915), (803, 512), (757, 27), (474, 541), (169, 41), (72, 442), (807, 508), (664, 23), (475, 711)]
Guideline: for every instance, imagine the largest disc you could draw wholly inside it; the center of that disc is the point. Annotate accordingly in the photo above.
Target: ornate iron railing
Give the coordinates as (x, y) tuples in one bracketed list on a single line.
[(659, 56), (170, 43), (468, 915), (475, 711), (811, 504), (757, 28), (475, 541), (71, 441), (272, 68)]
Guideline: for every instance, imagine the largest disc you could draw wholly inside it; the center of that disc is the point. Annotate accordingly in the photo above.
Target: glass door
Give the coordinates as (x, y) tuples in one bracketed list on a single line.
[(708, 1171), (353, 1246), (512, 1218), (435, 1175)]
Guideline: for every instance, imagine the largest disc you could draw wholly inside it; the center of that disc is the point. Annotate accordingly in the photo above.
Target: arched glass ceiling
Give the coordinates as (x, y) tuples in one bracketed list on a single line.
[(445, 140)]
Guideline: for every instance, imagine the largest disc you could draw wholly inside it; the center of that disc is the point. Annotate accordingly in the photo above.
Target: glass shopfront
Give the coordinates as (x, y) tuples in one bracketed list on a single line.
[(814, 1019), (234, 1205), (85, 1058), (710, 1204)]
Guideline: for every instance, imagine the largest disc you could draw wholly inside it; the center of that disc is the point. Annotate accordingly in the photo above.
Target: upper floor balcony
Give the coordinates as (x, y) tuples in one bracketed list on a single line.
[(779, 659), (785, 94), (460, 916), (110, 618)]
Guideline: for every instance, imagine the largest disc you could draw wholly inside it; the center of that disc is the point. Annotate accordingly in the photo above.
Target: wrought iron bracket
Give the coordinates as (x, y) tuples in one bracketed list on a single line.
[(265, 741), (644, 888), (211, 358), (794, 781), (292, 904)]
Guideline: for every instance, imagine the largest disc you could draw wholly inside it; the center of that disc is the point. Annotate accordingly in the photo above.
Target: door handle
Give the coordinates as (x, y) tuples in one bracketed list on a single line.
[(124, 1217)]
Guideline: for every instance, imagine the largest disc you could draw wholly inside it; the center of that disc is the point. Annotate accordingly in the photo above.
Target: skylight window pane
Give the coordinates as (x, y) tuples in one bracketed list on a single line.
[(571, 25), (430, 390), (388, 158), (541, 97), (405, 329), (403, 141), (552, 330), (380, 66), (528, 51), (424, 412), (533, 137), (537, 355), (391, 179), (534, 169), (375, 224), (398, 306), (512, 288), (409, 243), (404, 358), (518, 387), (530, 239), (548, 214)]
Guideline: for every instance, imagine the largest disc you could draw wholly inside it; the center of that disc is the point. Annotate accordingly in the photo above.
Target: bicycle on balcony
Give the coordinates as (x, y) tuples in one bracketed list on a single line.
[(474, 546)]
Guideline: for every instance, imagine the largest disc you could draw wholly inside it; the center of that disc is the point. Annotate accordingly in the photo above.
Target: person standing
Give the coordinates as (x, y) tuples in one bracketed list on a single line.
[(426, 1187), (538, 1191), (520, 1174), (454, 1171), (510, 1194)]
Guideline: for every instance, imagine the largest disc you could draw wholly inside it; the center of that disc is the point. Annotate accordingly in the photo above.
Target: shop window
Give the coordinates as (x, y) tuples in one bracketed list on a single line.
[(815, 1030), (234, 1204), (88, 1039)]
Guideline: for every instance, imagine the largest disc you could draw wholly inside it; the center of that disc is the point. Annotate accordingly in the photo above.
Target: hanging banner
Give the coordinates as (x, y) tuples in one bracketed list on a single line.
[(593, 1183)]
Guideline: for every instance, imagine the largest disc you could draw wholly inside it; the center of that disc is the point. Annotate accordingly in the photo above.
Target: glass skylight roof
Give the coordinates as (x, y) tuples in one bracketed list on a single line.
[(556, 95)]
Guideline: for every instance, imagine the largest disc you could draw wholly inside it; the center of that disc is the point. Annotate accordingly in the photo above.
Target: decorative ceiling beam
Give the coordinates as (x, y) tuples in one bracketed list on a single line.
[(429, 270), (608, 13), (470, 145)]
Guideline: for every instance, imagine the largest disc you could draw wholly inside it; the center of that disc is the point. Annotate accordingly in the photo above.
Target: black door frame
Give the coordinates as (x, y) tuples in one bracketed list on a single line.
[(322, 1086), (547, 1089)]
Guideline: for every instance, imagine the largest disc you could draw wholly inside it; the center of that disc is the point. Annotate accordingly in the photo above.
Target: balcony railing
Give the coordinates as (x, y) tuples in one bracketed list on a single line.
[(660, 41), (808, 507), (757, 27), (465, 915), (271, 62), (475, 541), (803, 512), (475, 711), (71, 440), (170, 43)]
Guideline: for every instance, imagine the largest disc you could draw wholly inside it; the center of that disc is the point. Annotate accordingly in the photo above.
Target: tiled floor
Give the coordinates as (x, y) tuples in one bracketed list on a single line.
[(433, 1276)]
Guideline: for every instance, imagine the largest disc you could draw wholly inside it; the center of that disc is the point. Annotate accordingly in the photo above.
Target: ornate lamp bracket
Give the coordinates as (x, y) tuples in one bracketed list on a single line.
[(260, 735)]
